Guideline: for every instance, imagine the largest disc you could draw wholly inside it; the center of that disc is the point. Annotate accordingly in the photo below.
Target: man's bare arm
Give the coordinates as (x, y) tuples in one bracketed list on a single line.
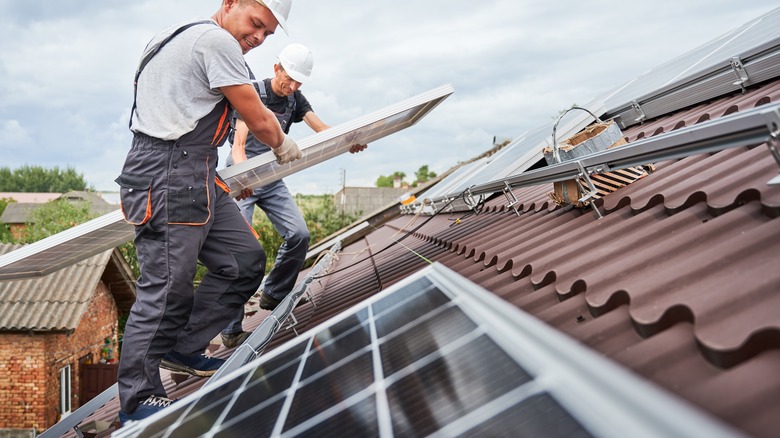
[(260, 121)]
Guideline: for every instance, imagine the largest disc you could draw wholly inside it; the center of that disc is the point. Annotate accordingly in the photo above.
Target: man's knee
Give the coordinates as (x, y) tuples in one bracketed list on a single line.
[(251, 267), (298, 236)]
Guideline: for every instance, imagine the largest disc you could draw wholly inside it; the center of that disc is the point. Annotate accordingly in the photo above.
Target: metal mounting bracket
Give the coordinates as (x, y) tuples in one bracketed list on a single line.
[(589, 191), (511, 198), (638, 108), (773, 142), (739, 70), (471, 202), (292, 322)]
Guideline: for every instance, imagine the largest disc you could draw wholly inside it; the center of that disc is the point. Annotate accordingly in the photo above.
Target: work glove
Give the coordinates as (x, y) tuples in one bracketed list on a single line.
[(288, 151)]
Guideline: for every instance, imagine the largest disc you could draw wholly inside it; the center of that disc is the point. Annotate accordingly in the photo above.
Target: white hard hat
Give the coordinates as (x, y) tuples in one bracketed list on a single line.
[(297, 61), (280, 9)]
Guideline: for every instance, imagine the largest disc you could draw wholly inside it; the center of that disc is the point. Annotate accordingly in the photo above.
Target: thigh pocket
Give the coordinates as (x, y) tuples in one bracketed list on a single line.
[(188, 206), (135, 197)]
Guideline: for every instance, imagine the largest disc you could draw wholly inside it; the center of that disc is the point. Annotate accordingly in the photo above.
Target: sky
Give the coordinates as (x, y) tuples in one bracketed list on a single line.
[(67, 66)]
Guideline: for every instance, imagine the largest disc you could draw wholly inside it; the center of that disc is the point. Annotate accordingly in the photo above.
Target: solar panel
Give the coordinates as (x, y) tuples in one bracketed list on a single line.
[(746, 55), (515, 158), (66, 248), (432, 355), (263, 169), (110, 230)]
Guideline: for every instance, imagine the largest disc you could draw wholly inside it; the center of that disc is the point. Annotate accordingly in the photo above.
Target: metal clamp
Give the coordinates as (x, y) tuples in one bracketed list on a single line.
[(292, 323), (510, 197), (739, 70), (773, 142), (638, 109), (471, 203), (589, 191)]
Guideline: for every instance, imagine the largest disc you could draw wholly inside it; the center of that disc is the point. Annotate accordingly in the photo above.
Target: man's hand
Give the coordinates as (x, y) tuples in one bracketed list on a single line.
[(288, 151), (357, 148), (245, 193)]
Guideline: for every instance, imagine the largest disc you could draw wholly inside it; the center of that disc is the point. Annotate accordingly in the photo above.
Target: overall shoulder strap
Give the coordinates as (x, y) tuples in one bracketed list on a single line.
[(149, 55), (262, 91)]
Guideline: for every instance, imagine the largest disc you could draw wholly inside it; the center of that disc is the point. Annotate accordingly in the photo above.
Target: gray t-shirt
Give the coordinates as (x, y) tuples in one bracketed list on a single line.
[(180, 85)]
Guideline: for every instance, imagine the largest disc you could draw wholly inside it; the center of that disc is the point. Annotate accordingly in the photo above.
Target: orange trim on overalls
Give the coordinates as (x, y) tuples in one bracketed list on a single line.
[(148, 210), (257, 236), (222, 184), (222, 128)]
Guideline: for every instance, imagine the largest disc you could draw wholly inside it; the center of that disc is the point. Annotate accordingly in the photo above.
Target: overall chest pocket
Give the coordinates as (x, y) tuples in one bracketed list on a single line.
[(135, 197)]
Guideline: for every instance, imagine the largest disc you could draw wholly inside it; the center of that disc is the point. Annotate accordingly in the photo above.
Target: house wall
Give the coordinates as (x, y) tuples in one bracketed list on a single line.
[(29, 374), (363, 200), (23, 380)]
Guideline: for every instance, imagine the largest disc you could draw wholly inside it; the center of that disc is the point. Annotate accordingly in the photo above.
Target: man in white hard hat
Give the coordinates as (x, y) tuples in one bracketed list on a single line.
[(188, 82), (281, 95)]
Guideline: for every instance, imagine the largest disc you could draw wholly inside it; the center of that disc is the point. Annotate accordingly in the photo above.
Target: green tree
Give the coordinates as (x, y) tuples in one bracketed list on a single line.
[(5, 230), (388, 180), (39, 179), (53, 217), (424, 175)]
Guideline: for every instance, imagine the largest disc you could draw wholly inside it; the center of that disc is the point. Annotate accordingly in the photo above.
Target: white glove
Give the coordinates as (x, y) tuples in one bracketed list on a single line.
[(288, 151)]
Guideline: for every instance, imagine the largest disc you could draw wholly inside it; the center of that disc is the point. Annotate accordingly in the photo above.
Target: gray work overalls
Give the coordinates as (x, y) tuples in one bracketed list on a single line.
[(182, 213)]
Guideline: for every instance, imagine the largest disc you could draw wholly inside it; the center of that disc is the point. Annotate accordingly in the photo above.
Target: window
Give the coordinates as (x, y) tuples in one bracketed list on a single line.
[(65, 391)]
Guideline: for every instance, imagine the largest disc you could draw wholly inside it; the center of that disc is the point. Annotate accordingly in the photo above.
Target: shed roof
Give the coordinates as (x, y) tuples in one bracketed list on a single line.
[(19, 212)]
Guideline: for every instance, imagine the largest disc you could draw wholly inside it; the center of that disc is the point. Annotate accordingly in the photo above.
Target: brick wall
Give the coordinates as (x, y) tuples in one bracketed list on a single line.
[(30, 368), (22, 381)]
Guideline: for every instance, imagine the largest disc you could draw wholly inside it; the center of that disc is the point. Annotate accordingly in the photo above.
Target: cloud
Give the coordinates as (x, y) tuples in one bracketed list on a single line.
[(66, 81)]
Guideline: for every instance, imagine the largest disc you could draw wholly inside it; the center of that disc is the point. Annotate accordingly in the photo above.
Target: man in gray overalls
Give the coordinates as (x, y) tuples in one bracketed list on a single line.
[(282, 96), (189, 80)]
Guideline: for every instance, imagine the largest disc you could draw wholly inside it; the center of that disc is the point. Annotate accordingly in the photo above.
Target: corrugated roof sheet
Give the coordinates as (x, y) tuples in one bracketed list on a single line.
[(52, 302), (17, 212)]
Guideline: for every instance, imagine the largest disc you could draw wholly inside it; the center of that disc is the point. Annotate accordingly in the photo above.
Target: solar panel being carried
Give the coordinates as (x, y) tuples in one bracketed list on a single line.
[(263, 169), (110, 230), (434, 354)]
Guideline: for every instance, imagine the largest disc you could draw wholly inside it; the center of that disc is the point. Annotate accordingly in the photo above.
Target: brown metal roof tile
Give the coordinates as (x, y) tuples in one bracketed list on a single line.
[(723, 179)]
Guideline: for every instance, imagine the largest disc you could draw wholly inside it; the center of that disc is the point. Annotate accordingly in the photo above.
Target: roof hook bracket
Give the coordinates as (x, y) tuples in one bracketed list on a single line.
[(511, 198), (588, 189), (739, 70), (471, 202), (445, 204), (638, 109), (292, 323), (427, 206), (773, 143)]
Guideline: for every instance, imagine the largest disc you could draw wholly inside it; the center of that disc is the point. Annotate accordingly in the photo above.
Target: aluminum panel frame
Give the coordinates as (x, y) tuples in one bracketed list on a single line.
[(261, 170)]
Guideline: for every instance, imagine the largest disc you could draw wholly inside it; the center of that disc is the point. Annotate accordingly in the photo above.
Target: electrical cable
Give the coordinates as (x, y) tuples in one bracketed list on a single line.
[(476, 208)]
